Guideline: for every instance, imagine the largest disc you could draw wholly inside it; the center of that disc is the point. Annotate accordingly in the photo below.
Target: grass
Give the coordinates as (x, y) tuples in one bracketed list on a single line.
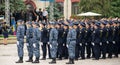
[(10, 36)]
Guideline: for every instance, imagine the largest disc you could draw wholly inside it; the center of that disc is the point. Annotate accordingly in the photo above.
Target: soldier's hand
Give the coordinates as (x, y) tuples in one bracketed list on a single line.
[(107, 42), (113, 42), (17, 42), (34, 45), (80, 44), (100, 43), (67, 46), (50, 46), (93, 43), (27, 44), (41, 43)]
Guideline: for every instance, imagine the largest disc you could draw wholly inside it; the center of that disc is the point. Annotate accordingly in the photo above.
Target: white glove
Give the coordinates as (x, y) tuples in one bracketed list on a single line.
[(63, 44), (80, 44), (67, 46), (107, 42), (27, 44), (113, 42), (41, 43), (34, 45), (50, 46), (86, 43), (93, 43), (17, 42), (48, 43), (100, 43)]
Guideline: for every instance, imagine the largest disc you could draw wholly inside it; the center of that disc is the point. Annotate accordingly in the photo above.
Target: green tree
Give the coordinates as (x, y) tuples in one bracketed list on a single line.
[(98, 6), (115, 8), (15, 5), (57, 13)]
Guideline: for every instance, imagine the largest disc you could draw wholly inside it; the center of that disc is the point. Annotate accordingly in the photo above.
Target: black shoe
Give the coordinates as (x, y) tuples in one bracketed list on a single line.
[(82, 59), (103, 58), (76, 59), (19, 61), (53, 61), (59, 58), (109, 57), (43, 59), (36, 60), (70, 61), (30, 60), (95, 59)]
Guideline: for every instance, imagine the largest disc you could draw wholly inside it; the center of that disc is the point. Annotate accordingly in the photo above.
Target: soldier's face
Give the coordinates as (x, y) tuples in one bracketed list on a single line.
[(18, 23), (65, 27)]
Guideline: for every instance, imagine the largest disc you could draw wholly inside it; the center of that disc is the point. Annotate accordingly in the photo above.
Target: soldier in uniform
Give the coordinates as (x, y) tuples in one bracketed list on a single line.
[(82, 40), (53, 42), (88, 40), (110, 39), (60, 40), (44, 40), (71, 42), (20, 40), (65, 49), (96, 41), (36, 39), (103, 39), (29, 36), (77, 47), (116, 38)]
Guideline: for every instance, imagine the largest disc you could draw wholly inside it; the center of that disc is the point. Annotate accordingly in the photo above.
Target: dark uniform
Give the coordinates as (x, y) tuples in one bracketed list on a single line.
[(110, 40), (88, 41), (116, 39), (82, 40), (103, 40), (60, 42), (96, 41), (65, 49), (44, 40)]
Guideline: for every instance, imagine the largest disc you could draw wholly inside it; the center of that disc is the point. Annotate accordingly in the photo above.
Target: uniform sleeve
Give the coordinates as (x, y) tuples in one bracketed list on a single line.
[(38, 35), (18, 33), (73, 35), (22, 31)]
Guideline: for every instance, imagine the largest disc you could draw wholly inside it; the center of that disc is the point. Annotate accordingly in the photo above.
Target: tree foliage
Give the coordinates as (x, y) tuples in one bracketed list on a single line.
[(15, 5), (105, 7), (57, 12)]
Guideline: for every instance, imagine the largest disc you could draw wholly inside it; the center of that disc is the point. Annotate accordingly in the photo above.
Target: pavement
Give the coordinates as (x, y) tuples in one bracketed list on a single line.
[(8, 56)]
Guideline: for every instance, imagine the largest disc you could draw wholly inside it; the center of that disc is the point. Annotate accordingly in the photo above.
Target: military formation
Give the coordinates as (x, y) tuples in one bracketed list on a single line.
[(70, 39)]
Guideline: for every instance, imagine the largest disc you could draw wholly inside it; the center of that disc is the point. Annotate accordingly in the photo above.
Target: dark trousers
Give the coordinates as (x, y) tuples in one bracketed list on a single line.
[(44, 50), (104, 49), (82, 51), (110, 49), (77, 47), (96, 50), (89, 49), (60, 50), (65, 51), (116, 49)]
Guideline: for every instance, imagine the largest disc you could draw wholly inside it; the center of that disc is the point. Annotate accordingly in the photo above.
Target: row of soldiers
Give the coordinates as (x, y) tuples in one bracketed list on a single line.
[(69, 40)]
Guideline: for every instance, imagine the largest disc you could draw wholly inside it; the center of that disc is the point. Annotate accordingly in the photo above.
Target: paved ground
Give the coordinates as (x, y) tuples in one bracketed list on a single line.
[(8, 56)]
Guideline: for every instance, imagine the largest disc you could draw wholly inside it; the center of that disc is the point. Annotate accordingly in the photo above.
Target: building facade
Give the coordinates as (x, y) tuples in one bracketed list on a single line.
[(69, 7)]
